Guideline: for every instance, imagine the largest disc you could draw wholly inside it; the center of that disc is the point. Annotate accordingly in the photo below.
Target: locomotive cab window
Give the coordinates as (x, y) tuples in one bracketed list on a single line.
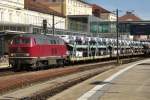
[(21, 41), (61, 42)]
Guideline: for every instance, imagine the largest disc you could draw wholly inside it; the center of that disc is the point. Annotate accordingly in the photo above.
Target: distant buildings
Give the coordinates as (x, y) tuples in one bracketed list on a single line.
[(68, 7), (75, 11), (79, 14), (106, 26), (73, 15), (102, 13), (131, 17)]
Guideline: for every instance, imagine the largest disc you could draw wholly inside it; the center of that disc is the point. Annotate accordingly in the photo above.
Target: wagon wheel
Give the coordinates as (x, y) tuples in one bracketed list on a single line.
[(60, 63)]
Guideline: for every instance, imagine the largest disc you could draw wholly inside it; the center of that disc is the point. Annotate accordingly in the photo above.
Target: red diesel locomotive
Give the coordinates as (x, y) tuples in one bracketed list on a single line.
[(31, 50)]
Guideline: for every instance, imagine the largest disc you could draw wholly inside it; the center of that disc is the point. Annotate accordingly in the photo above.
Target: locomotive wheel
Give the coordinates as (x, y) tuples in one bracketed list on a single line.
[(27, 67), (16, 67), (38, 65)]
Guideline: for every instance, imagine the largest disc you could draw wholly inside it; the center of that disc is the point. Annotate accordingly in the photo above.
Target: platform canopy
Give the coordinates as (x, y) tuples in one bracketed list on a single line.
[(8, 32)]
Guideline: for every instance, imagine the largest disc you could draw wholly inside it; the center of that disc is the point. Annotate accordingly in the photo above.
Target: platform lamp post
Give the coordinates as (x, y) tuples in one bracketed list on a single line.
[(53, 24), (45, 25)]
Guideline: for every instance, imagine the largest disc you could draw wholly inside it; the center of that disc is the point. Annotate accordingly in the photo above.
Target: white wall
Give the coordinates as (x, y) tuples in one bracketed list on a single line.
[(108, 16), (12, 15), (75, 7), (12, 3), (112, 17)]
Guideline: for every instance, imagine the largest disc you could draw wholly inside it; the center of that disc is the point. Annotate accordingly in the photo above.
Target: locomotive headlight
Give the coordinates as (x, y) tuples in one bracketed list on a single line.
[(27, 54), (12, 54), (67, 53)]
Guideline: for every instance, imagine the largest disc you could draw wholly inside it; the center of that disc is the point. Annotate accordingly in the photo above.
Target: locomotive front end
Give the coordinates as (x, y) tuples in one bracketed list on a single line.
[(20, 52)]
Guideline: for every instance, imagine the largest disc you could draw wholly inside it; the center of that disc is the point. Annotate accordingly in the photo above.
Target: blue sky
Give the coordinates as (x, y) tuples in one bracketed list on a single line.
[(141, 7)]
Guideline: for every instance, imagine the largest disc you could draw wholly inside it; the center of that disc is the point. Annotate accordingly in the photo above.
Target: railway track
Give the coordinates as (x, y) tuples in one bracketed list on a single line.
[(6, 71), (57, 86), (9, 71), (32, 78), (24, 79)]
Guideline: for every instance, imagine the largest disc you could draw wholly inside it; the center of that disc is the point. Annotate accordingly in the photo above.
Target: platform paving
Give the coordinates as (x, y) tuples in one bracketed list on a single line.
[(131, 84)]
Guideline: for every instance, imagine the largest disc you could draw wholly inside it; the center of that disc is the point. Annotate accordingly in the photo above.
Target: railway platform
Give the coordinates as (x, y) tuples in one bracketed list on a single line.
[(126, 82)]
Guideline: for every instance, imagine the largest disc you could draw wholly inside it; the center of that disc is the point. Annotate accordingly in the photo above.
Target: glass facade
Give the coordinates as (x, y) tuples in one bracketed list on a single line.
[(75, 25), (97, 27), (109, 27), (14, 27)]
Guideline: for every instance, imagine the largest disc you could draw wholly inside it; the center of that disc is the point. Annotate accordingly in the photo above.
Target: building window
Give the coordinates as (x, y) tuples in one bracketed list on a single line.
[(1, 16), (10, 17), (72, 2), (18, 16)]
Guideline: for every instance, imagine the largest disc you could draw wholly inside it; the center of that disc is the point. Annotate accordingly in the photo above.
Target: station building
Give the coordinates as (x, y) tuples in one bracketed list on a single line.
[(80, 15), (103, 13), (68, 7), (131, 17), (77, 12), (14, 17), (107, 28), (106, 24)]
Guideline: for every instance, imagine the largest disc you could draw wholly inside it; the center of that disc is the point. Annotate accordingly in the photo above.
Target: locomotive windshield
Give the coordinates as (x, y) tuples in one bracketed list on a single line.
[(21, 41)]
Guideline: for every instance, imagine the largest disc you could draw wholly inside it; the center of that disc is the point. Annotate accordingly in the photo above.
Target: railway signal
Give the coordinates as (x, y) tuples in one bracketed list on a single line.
[(44, 25)]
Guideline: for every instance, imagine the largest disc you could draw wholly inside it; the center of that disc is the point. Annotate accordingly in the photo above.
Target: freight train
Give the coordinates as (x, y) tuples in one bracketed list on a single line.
[(34, 50)]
